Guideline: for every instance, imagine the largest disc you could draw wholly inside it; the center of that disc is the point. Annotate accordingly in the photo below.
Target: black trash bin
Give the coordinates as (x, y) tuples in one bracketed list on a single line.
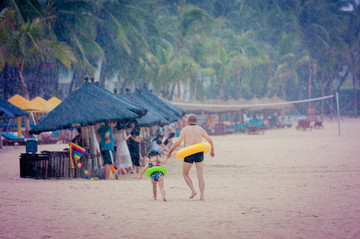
[(31, 146)]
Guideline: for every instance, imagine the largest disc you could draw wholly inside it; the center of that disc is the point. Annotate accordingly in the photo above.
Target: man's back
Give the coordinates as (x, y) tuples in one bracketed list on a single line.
[(192, 134)]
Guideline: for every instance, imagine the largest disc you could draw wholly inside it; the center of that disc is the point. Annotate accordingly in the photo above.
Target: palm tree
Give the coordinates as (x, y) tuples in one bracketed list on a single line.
[(26, 45), (183, 27), (74, 22), (353, 41), (123, 32), (246, 53), (201, 50), (322, 27)]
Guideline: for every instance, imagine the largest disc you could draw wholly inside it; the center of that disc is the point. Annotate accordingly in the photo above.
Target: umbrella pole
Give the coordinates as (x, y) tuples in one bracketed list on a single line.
[(1, 143), (37, 121), (33, 118), (19, 127)]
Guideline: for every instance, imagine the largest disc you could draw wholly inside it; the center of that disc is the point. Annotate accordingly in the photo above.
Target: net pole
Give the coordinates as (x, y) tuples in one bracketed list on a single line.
[(338, 111)]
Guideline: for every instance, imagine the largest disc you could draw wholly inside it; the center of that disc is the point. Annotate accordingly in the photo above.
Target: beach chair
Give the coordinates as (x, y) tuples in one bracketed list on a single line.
[(283, 125), (304, 124), (10, 139), (240, 128), (318, 125), (253, 129), (258, 123)]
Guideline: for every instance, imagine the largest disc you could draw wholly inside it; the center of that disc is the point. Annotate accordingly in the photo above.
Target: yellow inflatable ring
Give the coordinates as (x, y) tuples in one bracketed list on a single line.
[(149, 171), (193, 149)]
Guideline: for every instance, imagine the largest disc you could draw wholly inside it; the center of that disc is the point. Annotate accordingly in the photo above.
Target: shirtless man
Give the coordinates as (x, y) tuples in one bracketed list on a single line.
[(193, 134)]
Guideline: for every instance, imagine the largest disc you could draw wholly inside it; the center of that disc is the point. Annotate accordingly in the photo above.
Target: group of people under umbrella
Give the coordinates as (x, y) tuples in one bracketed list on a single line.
[(95, 110)]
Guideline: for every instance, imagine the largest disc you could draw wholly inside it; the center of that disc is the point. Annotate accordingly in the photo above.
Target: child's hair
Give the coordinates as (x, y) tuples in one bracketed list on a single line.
[(172, 135), (153, 153)]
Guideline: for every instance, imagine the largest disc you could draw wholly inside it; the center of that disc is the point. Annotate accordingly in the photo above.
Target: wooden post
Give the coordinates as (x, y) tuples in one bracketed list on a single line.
[(19, 127)]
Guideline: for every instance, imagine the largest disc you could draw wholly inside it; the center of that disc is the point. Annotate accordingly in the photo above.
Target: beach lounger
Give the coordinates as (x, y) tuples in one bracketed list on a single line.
[(10, 139), (304, 124), (318, 125), (252, 129)]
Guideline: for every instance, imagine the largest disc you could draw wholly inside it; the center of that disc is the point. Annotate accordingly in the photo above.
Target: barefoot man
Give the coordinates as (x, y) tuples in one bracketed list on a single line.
[(193, 134)]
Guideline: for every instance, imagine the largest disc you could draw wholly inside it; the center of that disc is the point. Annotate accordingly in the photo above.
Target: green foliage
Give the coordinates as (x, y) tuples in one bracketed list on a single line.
[(255, 46)]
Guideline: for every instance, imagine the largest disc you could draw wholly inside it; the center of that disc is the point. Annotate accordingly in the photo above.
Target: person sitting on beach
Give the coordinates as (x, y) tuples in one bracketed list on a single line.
[(193, 134), (156, 177)]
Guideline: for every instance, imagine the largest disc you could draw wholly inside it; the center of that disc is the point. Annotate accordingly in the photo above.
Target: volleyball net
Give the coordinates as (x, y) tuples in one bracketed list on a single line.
[(274, 104), (252, 105)]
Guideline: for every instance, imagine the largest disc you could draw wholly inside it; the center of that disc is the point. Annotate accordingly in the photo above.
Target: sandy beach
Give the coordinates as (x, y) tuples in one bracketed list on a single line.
[(283, 184)]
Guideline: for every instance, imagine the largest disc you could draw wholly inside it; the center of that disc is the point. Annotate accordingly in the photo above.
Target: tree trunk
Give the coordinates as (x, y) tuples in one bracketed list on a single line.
[(195, 86), (178, 89), (284, 97), (172, 92), (354, 78), (22, 84), (309, 84), (322, 93), (72, 83), (238, 83), (331, 108), (102, 75), (24, 92), (123, 86)]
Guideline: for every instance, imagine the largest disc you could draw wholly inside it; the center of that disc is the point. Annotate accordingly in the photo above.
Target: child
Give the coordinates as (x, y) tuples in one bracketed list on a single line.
[(156, 177), (157, 144)]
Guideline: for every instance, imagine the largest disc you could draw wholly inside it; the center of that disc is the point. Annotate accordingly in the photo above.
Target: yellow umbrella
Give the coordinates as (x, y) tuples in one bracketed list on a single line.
[(23, 103), (54, 100), (41, 104)]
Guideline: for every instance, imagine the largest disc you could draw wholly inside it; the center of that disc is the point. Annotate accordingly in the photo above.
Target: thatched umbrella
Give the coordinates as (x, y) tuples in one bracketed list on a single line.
[(238, 106), (8, 111), (5, 114), (167, 110), (193, 105), (120, 100), (26, 105), (151, 118), (257, 104), (41, 104), (179, 111), (87, 106), (12, 109), (54, 100), (281, 104), (23, 104)]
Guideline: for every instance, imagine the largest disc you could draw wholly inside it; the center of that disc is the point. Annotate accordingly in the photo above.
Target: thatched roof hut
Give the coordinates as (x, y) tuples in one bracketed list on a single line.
[(9, 110), (87, 106), (152, 117)]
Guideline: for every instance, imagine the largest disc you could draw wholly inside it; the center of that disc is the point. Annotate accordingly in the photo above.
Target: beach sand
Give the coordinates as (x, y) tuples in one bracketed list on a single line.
[(283, 184)]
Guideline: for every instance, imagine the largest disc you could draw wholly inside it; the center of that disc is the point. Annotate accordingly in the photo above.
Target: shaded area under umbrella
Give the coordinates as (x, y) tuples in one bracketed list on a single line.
[(87, 106)]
